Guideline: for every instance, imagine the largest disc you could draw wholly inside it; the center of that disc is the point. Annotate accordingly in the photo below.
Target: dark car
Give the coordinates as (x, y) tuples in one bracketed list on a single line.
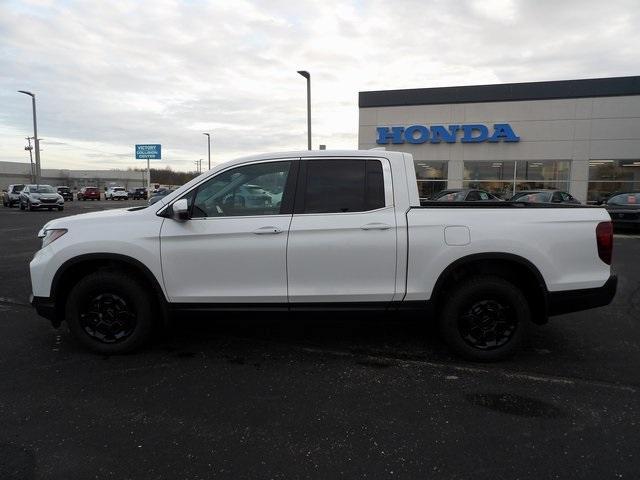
[(139, 193), (465, 195), (163, 192), (89, 193), (543, 196), (624, 209), (65, 192)]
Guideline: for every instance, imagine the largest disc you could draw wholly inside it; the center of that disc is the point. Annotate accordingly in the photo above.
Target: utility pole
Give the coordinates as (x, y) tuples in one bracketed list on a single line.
[(36, 141), (208, 148), (30, 148), (307, 75)]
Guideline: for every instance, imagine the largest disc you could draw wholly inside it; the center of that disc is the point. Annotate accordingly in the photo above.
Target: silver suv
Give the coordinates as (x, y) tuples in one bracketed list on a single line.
[(40, 196)]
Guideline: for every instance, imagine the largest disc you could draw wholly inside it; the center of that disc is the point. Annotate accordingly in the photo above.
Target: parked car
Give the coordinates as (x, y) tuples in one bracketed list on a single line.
[(89, 193), (624, 208), (65, 192), (139, 194), (543, 196), (11, 196), (351, 234), (34, 197), (161, 193), (465, 195), (116, 193)]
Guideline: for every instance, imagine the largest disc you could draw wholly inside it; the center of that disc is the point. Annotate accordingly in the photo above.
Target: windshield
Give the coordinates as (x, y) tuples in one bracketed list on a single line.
[(118, 189), (625, 199), (533, 197), (63, 189), (452, 197), (41, 189), (17, 188)]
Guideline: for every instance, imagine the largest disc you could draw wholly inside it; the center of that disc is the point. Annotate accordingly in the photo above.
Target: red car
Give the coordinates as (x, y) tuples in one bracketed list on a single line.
[(89, 193)]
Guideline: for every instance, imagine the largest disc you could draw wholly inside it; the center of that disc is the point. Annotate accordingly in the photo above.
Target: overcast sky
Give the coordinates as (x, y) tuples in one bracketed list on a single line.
[(110, 74)]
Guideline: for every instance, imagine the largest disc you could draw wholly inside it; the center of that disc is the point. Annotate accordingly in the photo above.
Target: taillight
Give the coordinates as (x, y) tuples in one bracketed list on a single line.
[(604, 237)]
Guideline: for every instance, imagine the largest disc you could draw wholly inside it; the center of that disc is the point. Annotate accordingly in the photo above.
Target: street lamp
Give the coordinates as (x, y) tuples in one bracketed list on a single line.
[(307, 75), (208, 148), (36, 141)]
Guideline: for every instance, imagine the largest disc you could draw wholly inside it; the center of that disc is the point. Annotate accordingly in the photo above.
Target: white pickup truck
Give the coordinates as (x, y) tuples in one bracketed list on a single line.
[(332, 230)]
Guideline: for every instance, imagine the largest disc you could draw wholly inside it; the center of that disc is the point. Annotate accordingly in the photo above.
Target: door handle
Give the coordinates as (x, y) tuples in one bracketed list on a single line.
[(267, 230), (376, 226)]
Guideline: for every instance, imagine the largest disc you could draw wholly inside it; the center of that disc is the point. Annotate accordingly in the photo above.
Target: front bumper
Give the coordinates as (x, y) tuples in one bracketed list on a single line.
[(46, 307), (577, 300)]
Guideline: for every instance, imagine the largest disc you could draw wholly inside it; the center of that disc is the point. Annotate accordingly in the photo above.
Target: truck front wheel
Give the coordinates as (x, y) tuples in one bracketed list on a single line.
[(485, 318), (109, 312)]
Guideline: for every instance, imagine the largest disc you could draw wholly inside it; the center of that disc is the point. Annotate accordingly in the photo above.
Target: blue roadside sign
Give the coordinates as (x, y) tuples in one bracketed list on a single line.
[(148, 151)]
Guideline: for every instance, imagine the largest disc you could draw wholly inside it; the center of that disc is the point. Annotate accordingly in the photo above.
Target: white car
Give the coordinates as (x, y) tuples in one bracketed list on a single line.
[(349, 232), (116, 193)]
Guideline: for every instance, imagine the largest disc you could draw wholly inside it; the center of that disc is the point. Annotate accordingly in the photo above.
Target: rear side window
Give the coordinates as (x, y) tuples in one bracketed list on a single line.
[(342, 186)]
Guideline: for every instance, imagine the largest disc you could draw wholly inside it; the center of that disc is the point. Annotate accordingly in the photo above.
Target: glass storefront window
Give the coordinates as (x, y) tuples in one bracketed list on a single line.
[(432, 177), (497, 177), (609, 176)]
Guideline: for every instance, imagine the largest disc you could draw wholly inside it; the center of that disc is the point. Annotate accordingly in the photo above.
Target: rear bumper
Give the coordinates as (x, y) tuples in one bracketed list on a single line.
[(45, 307), (577, 300)]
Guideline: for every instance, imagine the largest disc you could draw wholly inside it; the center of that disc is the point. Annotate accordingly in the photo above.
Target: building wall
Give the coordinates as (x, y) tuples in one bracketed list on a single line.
[(579, 130), (16, 172)]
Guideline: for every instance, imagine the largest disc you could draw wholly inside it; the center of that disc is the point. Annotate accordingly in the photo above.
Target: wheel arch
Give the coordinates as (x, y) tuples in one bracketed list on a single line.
[(75, 268), (513, 268)]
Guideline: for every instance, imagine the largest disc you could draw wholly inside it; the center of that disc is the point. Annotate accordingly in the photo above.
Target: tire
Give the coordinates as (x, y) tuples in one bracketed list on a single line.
[(21, 206), (60, 209), (30, 207), (485, 319), (115, 296)]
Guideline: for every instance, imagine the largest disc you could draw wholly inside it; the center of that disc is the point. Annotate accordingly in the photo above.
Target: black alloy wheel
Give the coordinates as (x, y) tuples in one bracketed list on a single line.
[(108, 318), (110, 312), (484, 318), (487, 324)]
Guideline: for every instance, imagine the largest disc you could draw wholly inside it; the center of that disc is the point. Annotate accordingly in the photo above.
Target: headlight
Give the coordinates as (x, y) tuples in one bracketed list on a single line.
[(49, 236)]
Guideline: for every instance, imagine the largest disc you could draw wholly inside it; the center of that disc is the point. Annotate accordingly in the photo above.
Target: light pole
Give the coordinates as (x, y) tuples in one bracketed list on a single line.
[(208, 148), (36, 141), (307, 75)]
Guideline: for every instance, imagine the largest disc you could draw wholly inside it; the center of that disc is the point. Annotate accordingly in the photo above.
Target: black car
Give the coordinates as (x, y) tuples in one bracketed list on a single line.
[(465, 195), (65, 192), (139, 193), (163, 192), (543, 196), (624, 209)]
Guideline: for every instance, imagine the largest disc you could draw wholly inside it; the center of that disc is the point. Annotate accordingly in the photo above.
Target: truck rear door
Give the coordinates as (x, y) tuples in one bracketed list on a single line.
[(342, 239)]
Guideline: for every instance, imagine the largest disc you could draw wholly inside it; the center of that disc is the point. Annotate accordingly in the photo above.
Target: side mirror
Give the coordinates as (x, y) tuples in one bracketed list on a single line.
[(181, 209)]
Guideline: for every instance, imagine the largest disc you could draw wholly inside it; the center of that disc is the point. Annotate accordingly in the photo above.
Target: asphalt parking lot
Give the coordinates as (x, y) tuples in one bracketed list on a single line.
[(315, 396)]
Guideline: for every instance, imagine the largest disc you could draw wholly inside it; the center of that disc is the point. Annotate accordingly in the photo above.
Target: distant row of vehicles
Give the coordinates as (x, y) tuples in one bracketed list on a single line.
[(530, 196), (624, 207)]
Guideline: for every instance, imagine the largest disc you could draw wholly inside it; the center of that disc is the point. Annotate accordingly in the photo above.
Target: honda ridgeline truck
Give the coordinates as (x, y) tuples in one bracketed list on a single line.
[(330, 230)]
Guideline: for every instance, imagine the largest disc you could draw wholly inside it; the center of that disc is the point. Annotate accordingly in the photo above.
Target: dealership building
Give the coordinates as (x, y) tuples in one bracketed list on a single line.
[(580, 136)]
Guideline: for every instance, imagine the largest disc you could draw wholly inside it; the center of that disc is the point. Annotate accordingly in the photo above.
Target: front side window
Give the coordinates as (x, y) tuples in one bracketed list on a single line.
[(249, 190), (342, 186)]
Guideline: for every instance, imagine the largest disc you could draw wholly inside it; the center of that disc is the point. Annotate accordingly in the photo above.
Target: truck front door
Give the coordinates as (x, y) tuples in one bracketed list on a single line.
[(233, 247)]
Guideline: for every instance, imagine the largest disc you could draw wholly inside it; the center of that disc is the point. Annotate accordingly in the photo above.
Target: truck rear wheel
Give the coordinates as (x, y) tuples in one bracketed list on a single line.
[(485, 319), (109, 313)]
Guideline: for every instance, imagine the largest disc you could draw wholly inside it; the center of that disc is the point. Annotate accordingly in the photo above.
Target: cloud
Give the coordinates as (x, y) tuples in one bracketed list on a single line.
[(111, 74)]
